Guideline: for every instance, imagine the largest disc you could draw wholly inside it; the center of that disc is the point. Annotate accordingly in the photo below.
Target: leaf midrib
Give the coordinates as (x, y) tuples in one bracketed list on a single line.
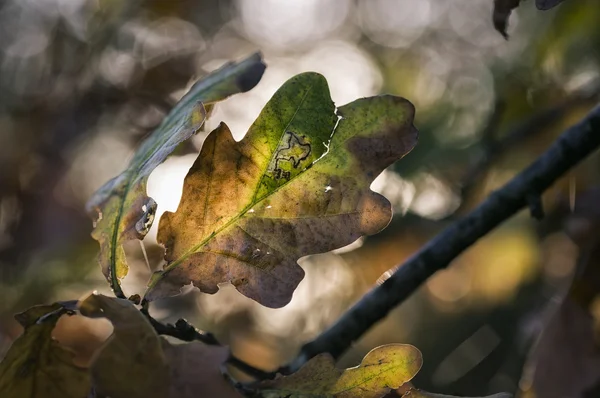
[(385, 369), (167, 123), (243, 212)]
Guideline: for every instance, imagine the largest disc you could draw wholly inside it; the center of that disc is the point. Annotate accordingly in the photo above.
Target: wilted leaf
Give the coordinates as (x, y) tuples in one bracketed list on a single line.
[(424, 394), (136, 362), (501, 13), (547, 4), (36, 365), (131, 363), (297, 184), (383, 368), (123, 209)]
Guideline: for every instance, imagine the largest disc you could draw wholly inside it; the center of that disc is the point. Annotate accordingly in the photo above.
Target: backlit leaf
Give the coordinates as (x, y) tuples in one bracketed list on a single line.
[(122, 207), (384, 368), (137, 363), (36, 366), (296, 184)]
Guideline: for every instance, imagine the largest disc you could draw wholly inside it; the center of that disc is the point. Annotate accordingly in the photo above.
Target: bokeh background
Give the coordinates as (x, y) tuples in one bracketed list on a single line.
[(83, 81)]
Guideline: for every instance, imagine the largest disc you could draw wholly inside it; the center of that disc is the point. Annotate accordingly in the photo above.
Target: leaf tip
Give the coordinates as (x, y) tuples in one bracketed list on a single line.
[(250, 78)]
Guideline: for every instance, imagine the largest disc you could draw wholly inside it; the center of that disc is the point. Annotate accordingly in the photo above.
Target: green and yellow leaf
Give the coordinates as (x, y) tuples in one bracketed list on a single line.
[(382, 369), (137, 363), (122, 207), (36, 365), (296, 184)]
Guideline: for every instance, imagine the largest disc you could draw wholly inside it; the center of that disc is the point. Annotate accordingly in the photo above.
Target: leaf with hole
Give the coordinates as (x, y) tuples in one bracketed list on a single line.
[(296, 184)]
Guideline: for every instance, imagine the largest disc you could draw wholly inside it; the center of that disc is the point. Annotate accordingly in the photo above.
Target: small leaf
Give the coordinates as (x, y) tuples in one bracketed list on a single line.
[(122, 208), (382, 369), (36, 366), (296, 184), (547, 4), (137, 363)]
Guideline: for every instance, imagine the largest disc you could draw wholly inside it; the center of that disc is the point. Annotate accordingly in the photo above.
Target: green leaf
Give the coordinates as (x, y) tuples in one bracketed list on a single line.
[(137, 363), (36, 366), (382, 369), (296, 184), (123, 209)]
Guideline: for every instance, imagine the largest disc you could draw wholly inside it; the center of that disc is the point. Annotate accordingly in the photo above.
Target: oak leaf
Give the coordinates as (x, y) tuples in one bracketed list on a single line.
[(381, 370), (296, 184)]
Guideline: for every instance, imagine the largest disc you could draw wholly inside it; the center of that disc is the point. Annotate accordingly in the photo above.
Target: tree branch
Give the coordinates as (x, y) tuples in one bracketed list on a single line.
[(573, 146), (185, 331), (182, 330)]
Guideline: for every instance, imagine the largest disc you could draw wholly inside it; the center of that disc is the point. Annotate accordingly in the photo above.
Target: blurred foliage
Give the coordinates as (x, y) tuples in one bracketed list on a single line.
[(83, 81)]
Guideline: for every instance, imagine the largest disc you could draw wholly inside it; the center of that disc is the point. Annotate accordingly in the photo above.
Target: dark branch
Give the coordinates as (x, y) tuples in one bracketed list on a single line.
[(185, 331), (573, 146), (250, 370), (182, 330)]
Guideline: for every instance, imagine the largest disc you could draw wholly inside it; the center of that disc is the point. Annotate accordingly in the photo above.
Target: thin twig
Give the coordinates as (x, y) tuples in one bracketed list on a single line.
[(185, 331), (574, 145), (182, 330), (250, 370)]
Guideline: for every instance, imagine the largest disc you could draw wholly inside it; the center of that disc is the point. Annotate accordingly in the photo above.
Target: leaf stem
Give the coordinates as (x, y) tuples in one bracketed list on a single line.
[(572, 146), (185, 331), (182, 330)]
